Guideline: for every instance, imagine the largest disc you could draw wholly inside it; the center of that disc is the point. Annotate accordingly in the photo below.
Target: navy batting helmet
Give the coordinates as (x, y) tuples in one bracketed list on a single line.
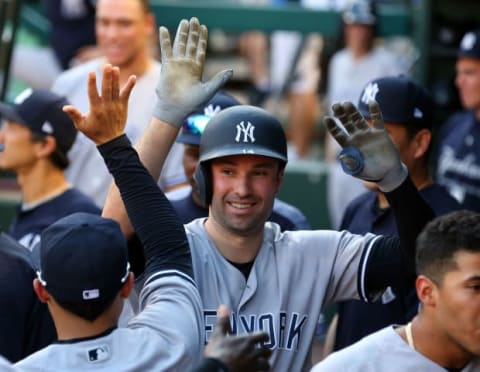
[(238, 130)]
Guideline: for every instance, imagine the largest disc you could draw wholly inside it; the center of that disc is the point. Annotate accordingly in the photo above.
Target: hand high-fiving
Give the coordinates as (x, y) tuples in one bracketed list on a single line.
[(180, 89), (107, 115), (368, 152)]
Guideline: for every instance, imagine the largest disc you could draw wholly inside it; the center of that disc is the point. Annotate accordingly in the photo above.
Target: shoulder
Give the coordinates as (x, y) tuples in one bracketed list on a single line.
[(339, 57), (459, 121), (438, 197), (69, 79), (359, 356), (38, 360), (76, 201)]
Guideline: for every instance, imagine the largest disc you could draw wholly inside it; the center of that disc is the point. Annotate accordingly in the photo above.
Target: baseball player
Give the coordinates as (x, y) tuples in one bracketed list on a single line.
[(191, 206), (444, 335), (273, 281)]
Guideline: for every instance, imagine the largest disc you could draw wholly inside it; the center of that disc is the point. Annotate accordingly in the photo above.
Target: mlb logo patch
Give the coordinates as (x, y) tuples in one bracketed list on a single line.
[(98, 354), (90, 294)]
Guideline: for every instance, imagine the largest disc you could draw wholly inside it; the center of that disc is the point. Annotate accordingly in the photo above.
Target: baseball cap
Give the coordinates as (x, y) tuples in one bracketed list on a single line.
[(401, 100), (41, 111), (83, 257), (195, 123), (359, 12), (470, 45)]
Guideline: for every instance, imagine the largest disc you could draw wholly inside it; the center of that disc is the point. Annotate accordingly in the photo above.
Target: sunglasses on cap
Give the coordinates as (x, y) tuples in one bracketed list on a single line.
[(195, 124)]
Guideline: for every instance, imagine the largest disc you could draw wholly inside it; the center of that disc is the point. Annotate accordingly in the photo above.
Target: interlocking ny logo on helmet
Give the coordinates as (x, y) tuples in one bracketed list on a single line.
[(245, 132)]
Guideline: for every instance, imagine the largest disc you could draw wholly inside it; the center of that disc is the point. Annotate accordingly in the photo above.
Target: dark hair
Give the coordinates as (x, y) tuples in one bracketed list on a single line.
[(58, 157), (89, 310), (146, 6), (442, 238)]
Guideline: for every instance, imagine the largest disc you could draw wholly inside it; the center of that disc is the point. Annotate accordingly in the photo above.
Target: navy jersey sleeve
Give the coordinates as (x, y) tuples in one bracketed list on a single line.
[(390, 261), (25, 324), (153, 218)]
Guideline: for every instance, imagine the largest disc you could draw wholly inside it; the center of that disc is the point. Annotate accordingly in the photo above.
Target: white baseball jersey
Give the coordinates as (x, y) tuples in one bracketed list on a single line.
[(167, 335), (87, 171), (295, 274), (5, 365), (383, 351)]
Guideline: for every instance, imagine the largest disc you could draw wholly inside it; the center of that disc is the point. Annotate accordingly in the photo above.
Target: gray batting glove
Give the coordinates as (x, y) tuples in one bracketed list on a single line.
[(180, 90), (368, 152)]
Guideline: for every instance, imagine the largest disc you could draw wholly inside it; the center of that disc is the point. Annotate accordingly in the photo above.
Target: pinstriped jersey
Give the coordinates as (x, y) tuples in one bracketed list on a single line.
[(167, 335), (295, 274)]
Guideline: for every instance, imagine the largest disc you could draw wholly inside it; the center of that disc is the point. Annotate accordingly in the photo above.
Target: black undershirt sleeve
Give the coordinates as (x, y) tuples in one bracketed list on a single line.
[(211, 365), (155, 221), (391, 260)]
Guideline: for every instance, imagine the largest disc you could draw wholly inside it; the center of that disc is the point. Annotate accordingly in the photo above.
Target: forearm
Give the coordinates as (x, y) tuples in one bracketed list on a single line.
[(153, 218), (152, 148), (411, 213), (391, 259), (211, 365)]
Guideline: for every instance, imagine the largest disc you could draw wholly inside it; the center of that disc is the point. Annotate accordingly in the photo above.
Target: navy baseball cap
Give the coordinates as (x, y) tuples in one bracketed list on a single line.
[(83, 257), (359, 12), (195, 123), (470, 45), (41, 111), (401, 100)]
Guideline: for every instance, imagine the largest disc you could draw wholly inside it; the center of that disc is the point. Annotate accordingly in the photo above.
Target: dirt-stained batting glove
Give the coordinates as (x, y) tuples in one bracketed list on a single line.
[(367, 152), (180, 90)]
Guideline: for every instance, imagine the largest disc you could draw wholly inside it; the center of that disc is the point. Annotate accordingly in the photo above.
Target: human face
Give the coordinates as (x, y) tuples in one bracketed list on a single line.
[(123, 30), (244, 189), (457, 303), (358, 38), (191, 154), (19, 149), (468, 83)]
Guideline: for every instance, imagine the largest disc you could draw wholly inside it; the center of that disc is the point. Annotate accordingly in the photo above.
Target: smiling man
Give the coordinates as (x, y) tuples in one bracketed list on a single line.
[(124, 31)]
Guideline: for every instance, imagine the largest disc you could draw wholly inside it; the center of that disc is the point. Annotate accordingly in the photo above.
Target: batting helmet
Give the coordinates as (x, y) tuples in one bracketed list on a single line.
[(238, 130)]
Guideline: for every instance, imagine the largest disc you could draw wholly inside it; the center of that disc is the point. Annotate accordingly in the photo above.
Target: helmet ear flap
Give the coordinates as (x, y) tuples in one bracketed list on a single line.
[(203, 179)]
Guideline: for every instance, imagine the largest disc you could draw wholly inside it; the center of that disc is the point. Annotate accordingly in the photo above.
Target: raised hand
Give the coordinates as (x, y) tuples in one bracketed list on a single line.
[(368, 152), (239, 353), (180, 90), (107, 115)]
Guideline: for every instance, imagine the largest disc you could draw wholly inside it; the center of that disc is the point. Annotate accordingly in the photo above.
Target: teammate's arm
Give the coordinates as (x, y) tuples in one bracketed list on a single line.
[(369, 154), (179, 91)]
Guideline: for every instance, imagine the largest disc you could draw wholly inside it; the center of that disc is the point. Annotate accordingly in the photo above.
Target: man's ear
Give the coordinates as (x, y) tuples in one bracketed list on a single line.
[(46, 146), (41, 291), (128, 286), (422, 139), (426, 290)]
